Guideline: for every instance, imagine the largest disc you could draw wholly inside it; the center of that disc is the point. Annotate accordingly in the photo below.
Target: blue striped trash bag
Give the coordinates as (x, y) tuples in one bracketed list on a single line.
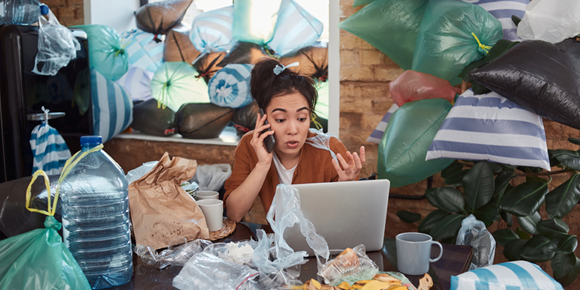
[(516, 275), (144, 50), (48, 149), (295, 29), (211, 31), (112, 107), (503, 10), (230, 86), (491, 127), (379, 131), (137, 83)]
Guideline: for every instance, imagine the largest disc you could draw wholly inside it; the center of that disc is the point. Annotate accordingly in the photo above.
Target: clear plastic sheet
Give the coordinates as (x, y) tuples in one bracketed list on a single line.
[(211, 176), (177, 253), (550, 20), (56, 46), (140, 171), (474, 233), (322, 141), (352, 266)]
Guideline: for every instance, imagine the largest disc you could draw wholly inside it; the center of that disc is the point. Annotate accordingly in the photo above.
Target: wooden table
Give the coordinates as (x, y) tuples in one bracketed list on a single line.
[(455, 260)]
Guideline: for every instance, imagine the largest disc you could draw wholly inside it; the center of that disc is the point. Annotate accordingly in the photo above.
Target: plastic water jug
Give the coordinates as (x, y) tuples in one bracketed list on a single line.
[(21, 12), (95, 215)]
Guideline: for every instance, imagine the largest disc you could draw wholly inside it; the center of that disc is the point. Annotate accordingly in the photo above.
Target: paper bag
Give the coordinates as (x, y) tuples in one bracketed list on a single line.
[(161, 210)]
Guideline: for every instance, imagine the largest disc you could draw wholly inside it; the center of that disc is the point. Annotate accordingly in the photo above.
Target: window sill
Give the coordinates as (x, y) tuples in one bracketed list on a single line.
[(228, 137)]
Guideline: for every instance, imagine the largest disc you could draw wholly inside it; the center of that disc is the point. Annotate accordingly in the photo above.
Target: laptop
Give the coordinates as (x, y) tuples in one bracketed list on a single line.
[(345, 213)]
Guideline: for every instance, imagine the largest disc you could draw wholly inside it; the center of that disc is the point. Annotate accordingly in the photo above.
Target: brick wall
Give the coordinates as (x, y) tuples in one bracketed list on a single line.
[(68, 12)]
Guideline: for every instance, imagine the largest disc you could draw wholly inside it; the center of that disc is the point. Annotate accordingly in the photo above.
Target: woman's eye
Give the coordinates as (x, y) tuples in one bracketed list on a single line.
[(279, 120), (301, 119)]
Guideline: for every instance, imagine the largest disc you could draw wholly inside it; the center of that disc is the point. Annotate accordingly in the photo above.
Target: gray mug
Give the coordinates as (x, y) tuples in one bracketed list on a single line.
[(414, 253)]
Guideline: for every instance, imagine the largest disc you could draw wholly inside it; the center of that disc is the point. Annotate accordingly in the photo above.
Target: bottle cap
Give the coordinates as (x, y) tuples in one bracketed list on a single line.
[(44, 9), (91, 140)]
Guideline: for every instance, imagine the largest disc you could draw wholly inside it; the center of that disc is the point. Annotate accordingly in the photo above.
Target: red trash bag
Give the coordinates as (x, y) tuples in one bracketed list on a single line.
[(413, 86)]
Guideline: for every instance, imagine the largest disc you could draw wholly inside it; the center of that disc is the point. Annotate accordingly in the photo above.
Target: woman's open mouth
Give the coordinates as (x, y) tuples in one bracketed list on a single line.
[(292, 144)]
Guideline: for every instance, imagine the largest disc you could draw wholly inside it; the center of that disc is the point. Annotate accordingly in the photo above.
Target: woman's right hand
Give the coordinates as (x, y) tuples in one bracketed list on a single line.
[(258, 140)]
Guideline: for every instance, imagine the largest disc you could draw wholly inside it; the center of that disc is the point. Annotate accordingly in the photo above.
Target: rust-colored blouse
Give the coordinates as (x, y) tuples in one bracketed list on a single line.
[(314, 165)]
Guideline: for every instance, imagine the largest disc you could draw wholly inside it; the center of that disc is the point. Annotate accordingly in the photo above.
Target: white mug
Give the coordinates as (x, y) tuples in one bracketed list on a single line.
[(414, 253), (213, 210), (206, 194)]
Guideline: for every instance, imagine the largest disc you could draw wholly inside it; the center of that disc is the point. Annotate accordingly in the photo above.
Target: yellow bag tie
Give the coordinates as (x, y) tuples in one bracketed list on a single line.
[(485, 48), (69, 164), (313, 120)]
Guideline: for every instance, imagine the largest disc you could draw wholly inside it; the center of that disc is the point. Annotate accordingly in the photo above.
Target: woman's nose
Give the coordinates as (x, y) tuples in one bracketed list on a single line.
[(292, 128)]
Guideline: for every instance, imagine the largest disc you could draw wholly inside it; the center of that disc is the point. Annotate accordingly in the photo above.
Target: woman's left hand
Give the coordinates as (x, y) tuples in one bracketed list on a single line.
[(352, 167)]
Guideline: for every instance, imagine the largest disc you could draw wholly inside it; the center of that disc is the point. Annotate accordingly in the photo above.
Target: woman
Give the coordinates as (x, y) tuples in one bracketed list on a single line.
[(288, 100)]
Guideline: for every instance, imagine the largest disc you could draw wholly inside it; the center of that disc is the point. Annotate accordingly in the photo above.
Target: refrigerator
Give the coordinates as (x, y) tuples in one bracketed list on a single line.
[(23, 94)]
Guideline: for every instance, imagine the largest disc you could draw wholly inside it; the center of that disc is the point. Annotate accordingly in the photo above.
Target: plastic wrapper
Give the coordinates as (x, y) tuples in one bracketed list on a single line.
[(211, 31), (56, 46), (144, 50), (401, 18), (548, 86), (212, 176), (474, 233), (550, 20), (245, 118), (138, 172), (137, 83), (240, 253), (321, 141), (178, 252), (175, 84), (106, 52), (295, 28), (491, 127), (152, 120), (178, 47), (351, 265), (452, 35), (404, 145), (413, 86), (160, 17), (49, 149), (230, 86), (515, 275), (207, 65), (255, 20), (202, 120), (243, 53), (504, 10)]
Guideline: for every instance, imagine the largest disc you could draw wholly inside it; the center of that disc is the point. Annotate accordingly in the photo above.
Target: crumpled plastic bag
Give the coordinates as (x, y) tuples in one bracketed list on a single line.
[(354, 265), (550, 20), (56, 46), (138, 172), (211, 176), (475, 234), (178, 252), (321, 141), (413, 86)]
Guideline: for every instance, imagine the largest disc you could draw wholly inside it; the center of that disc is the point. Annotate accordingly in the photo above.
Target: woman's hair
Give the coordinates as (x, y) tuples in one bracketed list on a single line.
[(265, 84)]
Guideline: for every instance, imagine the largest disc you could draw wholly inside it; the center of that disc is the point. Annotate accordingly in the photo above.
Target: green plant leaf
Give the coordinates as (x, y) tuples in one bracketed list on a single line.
[(408, 217), (566, 279), (574, 140), (564, 244), (503, 236), (488, 213), (568, 157), (563, 264), (513, 249), (524, 199), (522, 234), (449, 199), (447, 227), (457, 179), (431, 220), (478, 185), (495, 167), (537, 249), (508, 217), (528, 223), (552, 228), (454, 168), (430, 195), (561, 200), (501, 183)]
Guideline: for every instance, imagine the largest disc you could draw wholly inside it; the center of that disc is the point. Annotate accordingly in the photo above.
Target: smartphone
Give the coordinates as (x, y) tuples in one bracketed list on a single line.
[(269, 140)]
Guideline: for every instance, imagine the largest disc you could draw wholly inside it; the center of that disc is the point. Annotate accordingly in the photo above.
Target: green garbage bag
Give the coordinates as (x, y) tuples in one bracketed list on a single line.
[(106, 52), (39, 259), (389, 25), (404, 145), (175, 84), (452, 35)]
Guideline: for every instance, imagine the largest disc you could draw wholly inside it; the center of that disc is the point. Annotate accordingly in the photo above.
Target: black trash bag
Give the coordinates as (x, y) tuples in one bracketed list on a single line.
[(15, 219), (160, 17), (207, 65), (245, 118), (313, 62), (152, 120), (243, 53), (541, 77), (202, 120), (178, 47)]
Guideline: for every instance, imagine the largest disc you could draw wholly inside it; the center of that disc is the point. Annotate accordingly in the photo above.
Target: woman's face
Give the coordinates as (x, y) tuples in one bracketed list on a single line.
[(289, 116)]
